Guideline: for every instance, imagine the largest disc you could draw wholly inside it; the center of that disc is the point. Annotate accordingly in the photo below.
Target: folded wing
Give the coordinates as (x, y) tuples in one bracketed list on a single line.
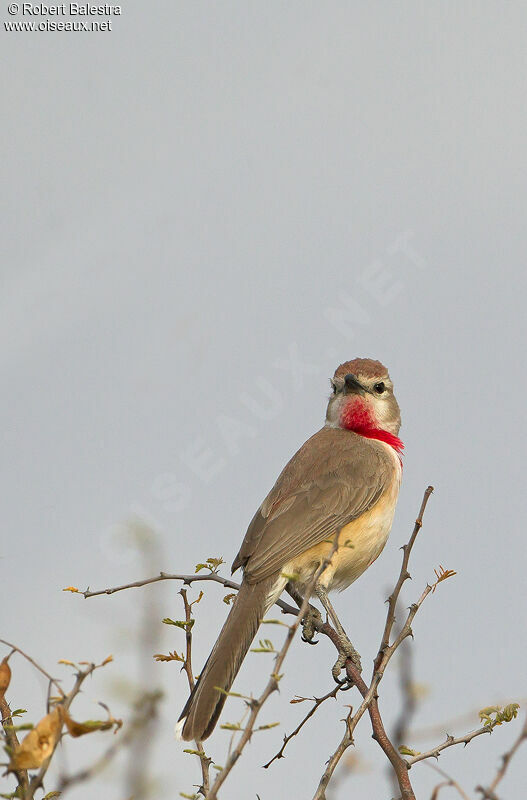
[(335, 477)]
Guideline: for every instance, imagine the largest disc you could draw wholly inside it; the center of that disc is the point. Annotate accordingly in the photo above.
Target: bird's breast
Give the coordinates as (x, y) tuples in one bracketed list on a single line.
[(360, 542)]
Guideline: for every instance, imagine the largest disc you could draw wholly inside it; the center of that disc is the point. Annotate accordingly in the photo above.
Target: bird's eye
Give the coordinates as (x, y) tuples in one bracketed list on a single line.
[(379, 387), (334, 385)]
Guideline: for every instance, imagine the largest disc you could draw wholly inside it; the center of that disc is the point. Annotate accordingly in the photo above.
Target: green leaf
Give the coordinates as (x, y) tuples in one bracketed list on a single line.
[(266, 646), (407, 751), (510, 712), (496, 715), (212, 564), (179, 623), (27, 726), (230, 694)]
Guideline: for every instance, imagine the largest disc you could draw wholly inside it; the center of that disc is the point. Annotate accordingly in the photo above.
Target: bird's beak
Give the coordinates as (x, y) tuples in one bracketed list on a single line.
[(353, 386)]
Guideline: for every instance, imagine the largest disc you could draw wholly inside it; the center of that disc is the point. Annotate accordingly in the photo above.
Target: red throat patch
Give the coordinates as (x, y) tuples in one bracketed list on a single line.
[(357, 417)]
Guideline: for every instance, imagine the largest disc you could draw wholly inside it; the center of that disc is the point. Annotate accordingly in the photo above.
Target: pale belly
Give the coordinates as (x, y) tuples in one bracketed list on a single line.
[(360, 543)]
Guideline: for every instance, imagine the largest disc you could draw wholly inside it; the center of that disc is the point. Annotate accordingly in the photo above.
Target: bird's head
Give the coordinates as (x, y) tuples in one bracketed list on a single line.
[(362, 398)]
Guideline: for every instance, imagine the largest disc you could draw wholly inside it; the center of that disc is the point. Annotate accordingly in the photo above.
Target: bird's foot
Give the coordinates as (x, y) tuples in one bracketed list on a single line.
[(346, 650), (310, 624)]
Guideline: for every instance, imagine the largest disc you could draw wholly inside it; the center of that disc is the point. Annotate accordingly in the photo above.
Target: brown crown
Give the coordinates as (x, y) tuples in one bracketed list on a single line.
[(362, 366)]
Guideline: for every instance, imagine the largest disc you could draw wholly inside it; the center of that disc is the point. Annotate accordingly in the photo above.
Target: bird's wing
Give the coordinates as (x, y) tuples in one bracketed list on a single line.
[(334, 478)]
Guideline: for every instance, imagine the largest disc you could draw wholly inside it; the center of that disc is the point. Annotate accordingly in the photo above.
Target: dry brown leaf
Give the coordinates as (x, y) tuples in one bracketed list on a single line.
[(5, 677), (39, 743), (172, 656), (90, 726), (442, 574)]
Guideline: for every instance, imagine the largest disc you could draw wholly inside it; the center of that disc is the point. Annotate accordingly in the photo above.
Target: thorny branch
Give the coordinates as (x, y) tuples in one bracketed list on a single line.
[(145, 709), (317, 703), (404, 575), (37, 666), (272, 684), (409, 699), (27, 787), (401, 731), (390, 642), (369, 693), (12, 741), (204, 760), (38, 780), (449, 781), (450, 741), (437, 729), (489, 792), (408, 702), (400, 765), (187, 581)]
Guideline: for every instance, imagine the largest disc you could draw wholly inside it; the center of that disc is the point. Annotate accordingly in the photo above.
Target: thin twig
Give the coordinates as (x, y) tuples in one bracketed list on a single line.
[(450, 741), (187, 581), (431, 731), (489, 793), (38, 780), (408, 695), (146, 708), (31, 786), (272, 684), (136, 770), (449, 781), (317, 703), (52, 680), (369, 694), (341, 748), (404, 575), (13, 743), (381, 737), (204, 760), (437, 789), (408, 702)]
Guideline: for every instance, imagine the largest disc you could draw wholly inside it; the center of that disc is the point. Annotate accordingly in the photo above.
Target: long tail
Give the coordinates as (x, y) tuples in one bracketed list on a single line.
[(205, 703)]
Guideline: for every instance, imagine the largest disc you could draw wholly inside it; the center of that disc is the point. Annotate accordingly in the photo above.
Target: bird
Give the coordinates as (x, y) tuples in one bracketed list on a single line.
[(339, 491)]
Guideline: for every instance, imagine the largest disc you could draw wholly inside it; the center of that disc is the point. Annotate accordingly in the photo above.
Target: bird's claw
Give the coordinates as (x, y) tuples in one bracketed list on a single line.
[(346, 650), (345, 684), (310, 624)]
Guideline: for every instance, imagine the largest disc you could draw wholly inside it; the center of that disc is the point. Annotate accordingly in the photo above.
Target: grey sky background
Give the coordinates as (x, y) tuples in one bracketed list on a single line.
[(205, 210)]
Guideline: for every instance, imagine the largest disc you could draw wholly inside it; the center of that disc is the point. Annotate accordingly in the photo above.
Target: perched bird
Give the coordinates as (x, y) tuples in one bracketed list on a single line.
[(345, 479)]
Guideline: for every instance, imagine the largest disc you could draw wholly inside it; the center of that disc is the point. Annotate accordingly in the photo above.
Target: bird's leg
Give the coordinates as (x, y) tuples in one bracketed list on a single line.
[(312, 619), (346, 649)]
